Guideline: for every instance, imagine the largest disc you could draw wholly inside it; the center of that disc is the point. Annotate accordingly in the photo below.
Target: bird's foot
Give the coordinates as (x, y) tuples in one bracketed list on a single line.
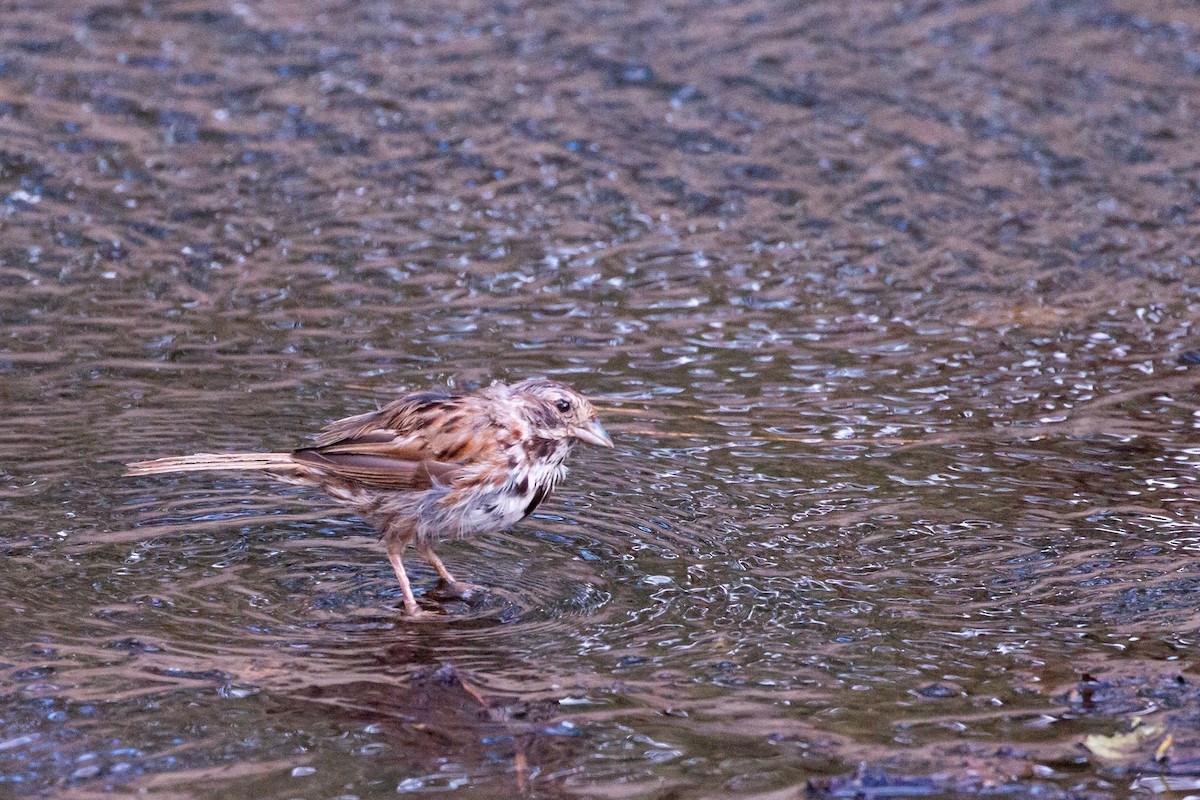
[(418, 614), (460, 590)]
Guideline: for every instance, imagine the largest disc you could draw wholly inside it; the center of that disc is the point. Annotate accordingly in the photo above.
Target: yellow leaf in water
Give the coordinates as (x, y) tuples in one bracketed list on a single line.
[(1161, 753), (1122, 746)]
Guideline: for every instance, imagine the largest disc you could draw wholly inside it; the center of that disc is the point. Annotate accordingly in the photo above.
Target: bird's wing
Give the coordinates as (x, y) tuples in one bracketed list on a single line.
[(409, 444), (409, 413), (379, 472)]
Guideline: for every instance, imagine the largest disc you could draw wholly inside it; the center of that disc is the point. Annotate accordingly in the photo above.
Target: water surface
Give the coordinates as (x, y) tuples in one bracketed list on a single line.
[(882, 302)]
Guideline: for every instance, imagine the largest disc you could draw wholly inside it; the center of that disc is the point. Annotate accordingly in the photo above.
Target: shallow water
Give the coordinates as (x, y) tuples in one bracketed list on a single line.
[(882, 303)]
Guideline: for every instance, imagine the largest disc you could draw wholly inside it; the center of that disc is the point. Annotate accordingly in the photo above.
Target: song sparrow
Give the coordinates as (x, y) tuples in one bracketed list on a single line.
[(433, 465)]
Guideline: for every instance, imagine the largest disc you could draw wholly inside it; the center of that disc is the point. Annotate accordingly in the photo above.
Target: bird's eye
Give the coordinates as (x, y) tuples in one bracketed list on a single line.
[(562, 404)]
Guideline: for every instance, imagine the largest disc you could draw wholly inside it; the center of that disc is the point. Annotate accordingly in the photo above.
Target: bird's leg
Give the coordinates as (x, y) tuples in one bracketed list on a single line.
[(428, 554), (454, 587), (395, 548)]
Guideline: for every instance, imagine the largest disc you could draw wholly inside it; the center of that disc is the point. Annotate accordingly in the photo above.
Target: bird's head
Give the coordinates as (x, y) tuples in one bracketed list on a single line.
[(556, 411)]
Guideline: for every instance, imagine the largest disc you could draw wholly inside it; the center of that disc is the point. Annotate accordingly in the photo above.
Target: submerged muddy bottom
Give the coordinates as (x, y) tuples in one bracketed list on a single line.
[(882, 305)]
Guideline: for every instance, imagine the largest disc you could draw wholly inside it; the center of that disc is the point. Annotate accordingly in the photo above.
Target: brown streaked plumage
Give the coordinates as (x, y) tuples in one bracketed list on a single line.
[(433, 465)]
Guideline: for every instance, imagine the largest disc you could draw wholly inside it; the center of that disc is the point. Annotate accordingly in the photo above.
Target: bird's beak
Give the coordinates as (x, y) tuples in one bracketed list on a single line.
[(593, 433)]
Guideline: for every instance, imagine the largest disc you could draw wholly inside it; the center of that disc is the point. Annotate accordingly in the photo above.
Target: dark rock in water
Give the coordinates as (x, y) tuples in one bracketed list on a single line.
[(1189, 358), (868, 783)]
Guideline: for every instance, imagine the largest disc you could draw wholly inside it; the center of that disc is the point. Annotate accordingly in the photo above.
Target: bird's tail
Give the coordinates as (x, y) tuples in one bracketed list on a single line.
[(204, 462)]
